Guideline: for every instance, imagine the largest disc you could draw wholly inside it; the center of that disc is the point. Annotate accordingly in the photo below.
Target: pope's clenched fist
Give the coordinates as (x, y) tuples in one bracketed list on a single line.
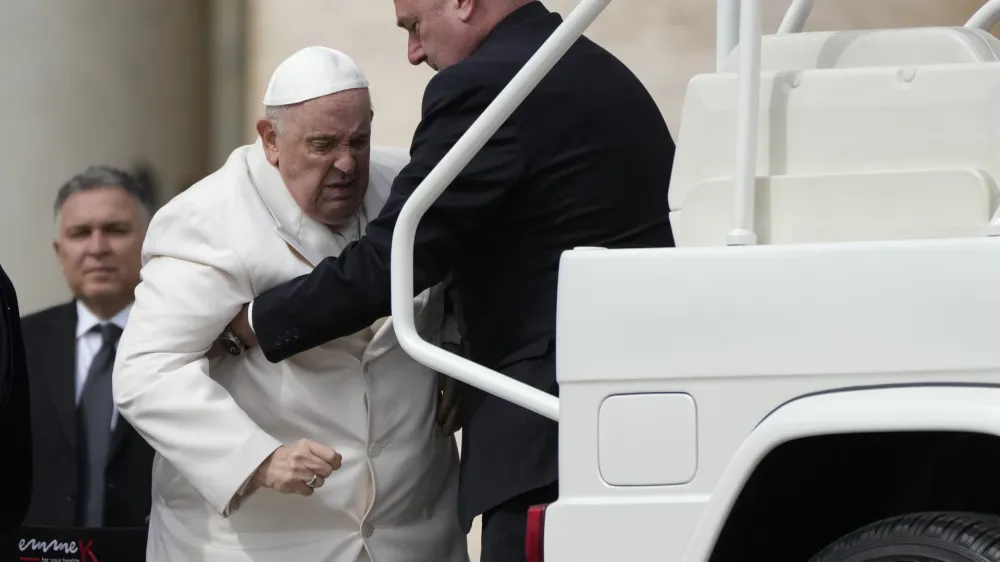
[(298, 468)]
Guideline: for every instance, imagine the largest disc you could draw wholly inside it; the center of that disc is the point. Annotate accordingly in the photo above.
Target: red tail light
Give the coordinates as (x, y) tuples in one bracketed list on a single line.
[(534, 540)]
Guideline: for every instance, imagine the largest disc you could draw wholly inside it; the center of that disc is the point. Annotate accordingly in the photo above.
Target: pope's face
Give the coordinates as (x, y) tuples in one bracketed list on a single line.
[(322, 152)]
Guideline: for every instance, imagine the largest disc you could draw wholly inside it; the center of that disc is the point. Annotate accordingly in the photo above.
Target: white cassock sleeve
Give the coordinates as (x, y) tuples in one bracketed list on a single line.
[(193, 284)]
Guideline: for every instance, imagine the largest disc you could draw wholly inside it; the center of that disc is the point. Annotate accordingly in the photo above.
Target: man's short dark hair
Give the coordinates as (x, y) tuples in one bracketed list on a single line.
[(105, 176)]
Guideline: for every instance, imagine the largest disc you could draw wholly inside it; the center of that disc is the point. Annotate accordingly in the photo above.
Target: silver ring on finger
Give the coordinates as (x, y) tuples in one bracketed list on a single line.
[(314, 482)]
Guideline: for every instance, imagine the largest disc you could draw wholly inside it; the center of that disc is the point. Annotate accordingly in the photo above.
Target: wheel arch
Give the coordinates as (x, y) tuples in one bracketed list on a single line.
[(904, 409)]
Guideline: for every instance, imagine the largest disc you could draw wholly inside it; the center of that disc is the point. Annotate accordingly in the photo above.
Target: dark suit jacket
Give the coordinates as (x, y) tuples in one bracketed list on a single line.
[(15, 412), (585, 161), (50, 341)]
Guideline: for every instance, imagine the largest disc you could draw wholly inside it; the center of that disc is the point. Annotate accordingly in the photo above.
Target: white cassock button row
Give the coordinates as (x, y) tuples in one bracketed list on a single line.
[(374, 451), (367, 529)]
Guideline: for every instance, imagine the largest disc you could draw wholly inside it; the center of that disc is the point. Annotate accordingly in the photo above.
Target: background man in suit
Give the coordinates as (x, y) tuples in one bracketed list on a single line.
[(15, 411), (585, 161), (96, 469)]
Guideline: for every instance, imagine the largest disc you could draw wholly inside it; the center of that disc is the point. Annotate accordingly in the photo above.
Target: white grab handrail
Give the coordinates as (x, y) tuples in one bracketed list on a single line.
[(796, 16), (747, 118), (986, 17), (431, 188)]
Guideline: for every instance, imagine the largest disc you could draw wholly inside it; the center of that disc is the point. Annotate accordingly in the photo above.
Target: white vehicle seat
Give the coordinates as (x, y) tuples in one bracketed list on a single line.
[(873, 47), (888, 134)]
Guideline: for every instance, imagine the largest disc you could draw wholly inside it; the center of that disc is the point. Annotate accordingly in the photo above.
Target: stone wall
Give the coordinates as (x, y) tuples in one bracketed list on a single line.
[(91, 82)]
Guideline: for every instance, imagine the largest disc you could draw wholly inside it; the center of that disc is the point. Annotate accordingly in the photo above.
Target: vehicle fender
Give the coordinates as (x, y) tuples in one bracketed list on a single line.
[(968, 408)]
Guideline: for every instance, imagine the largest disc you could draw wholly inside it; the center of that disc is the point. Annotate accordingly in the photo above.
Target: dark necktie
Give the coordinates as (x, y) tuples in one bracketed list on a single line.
[(94, 423)]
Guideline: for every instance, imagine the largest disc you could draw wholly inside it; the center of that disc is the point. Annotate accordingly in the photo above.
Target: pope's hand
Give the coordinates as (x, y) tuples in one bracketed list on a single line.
[(297, 468)]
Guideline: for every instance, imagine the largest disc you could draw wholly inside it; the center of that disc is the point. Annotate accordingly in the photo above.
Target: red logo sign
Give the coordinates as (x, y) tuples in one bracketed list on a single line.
[(80, 550), (87, 552)]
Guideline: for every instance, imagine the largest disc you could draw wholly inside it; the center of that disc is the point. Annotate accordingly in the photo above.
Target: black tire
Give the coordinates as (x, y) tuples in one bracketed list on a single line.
[(920, 537)]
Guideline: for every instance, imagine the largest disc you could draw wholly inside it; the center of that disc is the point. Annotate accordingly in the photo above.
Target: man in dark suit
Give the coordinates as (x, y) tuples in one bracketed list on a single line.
[(15, 412), (92, 469), (585, 161)]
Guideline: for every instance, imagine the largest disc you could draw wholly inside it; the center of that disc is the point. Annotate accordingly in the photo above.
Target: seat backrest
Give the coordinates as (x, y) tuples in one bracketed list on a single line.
[(887, 134), (872, 47)]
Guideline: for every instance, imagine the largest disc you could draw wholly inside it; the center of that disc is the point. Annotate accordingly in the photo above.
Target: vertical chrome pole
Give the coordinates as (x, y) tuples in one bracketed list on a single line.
[(747, 118)]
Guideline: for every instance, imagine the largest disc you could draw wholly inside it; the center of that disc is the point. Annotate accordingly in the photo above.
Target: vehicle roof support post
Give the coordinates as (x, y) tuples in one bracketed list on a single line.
[(747, 118)]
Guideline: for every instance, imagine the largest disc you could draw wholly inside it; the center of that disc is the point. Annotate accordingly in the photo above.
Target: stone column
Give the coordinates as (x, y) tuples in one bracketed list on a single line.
[(226, 78), (87, 82)]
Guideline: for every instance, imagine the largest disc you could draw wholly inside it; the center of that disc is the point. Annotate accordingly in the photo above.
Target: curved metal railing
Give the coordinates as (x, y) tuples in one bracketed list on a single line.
[(986, 17), (431, 188), (473, 141), (796, 16)]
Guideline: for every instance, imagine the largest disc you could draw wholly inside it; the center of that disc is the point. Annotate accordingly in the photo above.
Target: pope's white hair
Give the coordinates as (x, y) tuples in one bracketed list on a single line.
[(274, 113)]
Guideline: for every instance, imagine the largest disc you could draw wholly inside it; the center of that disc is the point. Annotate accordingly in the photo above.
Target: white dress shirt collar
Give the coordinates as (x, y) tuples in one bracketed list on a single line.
[(86, 319)]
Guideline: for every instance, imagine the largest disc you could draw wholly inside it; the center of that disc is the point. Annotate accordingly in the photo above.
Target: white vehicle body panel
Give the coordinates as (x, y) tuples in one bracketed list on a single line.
[(759, 337)]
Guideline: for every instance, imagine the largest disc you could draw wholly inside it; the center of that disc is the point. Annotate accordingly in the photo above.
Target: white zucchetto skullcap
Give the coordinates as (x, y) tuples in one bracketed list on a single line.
[(312, 73)]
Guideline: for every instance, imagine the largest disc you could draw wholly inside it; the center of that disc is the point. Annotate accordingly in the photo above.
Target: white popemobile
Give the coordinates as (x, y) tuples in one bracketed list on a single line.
[(813, 374)]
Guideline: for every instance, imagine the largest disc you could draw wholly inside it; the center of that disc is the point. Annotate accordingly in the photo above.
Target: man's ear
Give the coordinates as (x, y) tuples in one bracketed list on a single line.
[(55, 247), (465, 8), (269, 138)]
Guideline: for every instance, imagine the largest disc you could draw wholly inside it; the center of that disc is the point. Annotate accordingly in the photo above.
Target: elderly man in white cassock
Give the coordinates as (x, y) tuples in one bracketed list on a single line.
[(334, 455)]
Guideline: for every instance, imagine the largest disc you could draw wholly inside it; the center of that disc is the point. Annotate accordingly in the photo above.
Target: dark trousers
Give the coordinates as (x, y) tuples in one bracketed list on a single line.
[(504, 526)]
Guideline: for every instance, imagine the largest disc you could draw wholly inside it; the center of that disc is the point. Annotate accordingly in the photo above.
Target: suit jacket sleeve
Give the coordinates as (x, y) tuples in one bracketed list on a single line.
[(193, 283), (15, 411), (344, 294)]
